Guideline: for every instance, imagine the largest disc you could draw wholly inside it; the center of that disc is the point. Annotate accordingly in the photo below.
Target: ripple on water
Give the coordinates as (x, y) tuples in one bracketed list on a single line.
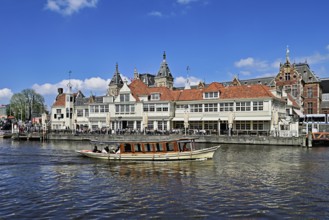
[(51, 181)]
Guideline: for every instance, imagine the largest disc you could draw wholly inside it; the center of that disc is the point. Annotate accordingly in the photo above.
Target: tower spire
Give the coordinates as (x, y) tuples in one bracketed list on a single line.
[(116, 68)]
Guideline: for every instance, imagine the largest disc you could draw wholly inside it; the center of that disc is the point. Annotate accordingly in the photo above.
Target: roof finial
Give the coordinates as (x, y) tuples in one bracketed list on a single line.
[(287, 54), (164, 55), (117, 68)]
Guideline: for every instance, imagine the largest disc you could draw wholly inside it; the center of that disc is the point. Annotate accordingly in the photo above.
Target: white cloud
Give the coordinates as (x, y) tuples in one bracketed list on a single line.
[(245, 62), (251, 63), (95, 84), (155, 13), (327, 47), (180, 81), (68, 7), (5, 94), (314, 59)]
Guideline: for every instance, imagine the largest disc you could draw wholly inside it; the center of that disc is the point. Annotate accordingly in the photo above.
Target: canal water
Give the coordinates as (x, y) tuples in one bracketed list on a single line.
[(50, 181)]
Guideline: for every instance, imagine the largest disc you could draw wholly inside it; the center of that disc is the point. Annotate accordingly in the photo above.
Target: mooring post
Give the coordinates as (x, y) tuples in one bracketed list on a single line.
[(304, 141), (309, 144)]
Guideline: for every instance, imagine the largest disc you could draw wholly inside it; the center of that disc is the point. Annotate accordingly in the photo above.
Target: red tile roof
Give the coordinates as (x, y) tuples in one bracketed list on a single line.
[(213, 87), (246, 91), (60, 100), (138, 88)]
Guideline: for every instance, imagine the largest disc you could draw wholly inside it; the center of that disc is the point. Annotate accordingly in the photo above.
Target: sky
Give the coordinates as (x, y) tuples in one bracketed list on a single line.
[(46, 43)]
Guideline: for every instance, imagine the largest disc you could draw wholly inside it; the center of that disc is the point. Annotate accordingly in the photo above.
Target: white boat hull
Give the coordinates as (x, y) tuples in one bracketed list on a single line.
[(206, 153)]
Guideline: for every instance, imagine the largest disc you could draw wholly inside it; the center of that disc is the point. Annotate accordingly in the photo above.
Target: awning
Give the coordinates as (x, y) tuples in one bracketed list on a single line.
[(298, 112), (190, 119), (195, 119), (253, 118), (178, 119), (210, 118)]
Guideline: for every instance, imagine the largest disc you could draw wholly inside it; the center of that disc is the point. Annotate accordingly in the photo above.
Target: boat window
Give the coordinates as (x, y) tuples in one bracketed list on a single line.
[(159, 147), (148, 147), (127, 147), (170, 146), (184, 146), (138, 147)]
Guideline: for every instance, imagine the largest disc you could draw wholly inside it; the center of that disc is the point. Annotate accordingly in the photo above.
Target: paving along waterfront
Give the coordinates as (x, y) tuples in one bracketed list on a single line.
[(48, 180)]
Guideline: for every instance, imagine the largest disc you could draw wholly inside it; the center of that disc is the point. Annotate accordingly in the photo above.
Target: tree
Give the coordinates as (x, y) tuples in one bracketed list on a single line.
[(27, 104), (35, 103), (17, 103)]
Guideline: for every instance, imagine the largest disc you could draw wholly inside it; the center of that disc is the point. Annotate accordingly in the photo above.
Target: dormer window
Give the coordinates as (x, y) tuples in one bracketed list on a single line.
[(211, 95), (155, 96)]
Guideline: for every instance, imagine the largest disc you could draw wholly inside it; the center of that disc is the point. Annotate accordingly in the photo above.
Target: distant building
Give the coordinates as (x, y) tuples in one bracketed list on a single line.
[(3, 111), (294, 82), (325, 96)]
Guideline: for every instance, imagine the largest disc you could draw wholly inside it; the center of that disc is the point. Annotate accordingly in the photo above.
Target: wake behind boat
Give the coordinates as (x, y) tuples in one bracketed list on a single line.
[(180, 149)]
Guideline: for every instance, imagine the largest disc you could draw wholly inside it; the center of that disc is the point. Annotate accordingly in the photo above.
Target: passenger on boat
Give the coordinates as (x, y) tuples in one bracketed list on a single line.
[(117, 151), (184, 147), (96, 150), (106, 150)]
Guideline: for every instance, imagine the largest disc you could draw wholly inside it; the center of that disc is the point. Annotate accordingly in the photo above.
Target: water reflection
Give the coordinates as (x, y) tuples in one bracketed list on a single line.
[(49, 180)]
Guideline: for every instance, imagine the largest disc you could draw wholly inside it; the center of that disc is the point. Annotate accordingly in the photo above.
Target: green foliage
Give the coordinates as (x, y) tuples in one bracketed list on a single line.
[(27, 104)]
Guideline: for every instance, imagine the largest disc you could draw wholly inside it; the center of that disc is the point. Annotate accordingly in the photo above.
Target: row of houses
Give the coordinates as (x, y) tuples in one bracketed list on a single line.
[(151, 103)]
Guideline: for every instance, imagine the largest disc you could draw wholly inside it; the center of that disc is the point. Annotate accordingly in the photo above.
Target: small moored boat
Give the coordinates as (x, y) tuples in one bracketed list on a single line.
[(180, 149)]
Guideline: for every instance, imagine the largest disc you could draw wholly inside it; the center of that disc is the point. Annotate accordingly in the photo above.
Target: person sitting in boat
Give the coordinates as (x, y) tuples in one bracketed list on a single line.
[(185, 147), (96, 150), (117, 151), (106, 150)]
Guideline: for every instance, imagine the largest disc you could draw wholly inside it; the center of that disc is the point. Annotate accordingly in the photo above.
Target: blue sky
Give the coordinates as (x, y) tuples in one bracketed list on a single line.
[(42, 40)]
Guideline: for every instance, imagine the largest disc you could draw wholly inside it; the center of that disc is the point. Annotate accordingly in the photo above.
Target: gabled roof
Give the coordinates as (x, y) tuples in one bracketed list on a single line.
[(307, 74), (165, 93), (249, 91), (190, 94), (60, 100), (138, 88), (213, 87)]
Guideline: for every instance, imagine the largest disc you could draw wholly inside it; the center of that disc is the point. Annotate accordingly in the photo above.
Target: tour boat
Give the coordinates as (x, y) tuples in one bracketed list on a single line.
[(165, 150)]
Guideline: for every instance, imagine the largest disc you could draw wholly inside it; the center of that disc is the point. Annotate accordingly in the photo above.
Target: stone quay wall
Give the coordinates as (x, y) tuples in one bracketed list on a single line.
[(252, 140)]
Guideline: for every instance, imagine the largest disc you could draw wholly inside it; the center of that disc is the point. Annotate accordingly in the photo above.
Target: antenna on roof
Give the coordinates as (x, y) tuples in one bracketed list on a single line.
[(69, 85), (187, 84)]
